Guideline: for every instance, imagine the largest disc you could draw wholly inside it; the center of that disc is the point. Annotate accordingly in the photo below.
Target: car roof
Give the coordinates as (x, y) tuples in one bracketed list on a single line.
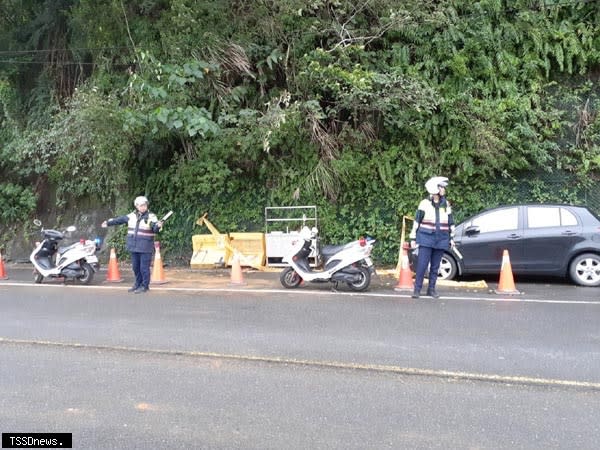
[(512, 205), (581, 208)]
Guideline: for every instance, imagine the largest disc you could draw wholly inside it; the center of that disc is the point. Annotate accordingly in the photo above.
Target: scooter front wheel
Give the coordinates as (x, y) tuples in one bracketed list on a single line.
[(363, 280), (37, 277), (289, 278)]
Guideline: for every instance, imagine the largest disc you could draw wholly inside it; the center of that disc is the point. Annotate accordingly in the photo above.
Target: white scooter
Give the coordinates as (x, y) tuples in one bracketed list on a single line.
[(350, 263), (77, 261)]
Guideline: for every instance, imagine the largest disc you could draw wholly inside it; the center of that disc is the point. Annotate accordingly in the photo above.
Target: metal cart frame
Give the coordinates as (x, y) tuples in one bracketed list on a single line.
[(278, 242)]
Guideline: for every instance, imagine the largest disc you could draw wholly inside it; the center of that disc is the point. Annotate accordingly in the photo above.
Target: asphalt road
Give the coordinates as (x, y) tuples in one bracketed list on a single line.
[(255, 367)]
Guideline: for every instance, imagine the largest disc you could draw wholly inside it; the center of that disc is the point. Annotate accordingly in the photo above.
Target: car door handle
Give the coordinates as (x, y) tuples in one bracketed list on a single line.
[(513, 236), (568, 233)]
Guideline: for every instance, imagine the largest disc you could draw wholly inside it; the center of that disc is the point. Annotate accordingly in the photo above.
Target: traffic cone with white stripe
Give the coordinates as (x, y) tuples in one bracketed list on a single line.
[(405, 281), (506, 285), (113, 275), (237, 277), (158, 273)]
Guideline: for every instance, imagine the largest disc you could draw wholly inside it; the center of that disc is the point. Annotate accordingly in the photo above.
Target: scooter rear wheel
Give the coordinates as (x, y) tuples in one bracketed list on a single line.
[(363, 280), (289, 278), (88, 274)]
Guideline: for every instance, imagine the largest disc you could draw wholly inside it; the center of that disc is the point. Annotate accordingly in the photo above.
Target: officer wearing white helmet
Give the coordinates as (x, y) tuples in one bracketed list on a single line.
[(432, 231), (142, 226)]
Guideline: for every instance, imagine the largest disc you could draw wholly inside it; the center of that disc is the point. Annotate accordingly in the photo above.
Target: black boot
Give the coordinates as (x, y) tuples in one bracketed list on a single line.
[(433, 293), (415, 294)]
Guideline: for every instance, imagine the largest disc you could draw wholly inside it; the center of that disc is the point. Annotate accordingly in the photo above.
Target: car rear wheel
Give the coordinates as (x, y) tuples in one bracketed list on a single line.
[(585, 269), (448, 268)]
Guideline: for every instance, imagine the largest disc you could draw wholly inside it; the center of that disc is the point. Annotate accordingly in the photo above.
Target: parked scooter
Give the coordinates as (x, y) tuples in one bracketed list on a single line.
[(77, 261), (349, 263)]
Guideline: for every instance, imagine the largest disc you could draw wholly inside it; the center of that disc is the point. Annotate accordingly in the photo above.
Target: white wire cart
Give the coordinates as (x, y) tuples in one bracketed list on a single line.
[(282, 228)]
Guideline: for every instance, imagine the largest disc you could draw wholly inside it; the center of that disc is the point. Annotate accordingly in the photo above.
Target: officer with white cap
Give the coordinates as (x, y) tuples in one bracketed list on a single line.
[(432, 232), (142, 226)]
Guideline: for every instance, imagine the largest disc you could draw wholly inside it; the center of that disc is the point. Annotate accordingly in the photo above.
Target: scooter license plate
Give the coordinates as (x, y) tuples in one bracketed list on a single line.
[(92, 259), (370, 265)]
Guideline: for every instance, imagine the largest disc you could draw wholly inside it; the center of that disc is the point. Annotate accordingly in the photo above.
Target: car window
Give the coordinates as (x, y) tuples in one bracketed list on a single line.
[(501, 220), (545, 216), (539, 217), (567, 218)]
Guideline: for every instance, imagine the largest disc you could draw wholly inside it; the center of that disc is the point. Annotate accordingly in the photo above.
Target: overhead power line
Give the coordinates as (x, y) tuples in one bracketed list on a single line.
[(34, 52), (64, 63)]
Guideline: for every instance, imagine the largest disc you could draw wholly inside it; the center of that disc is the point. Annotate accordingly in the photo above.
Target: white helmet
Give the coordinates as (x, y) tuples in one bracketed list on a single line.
[(141, 200), (433, 184)]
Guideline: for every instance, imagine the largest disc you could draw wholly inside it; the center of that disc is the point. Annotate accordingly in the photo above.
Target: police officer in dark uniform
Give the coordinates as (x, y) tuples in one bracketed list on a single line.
[(432, 232), (142, 225)]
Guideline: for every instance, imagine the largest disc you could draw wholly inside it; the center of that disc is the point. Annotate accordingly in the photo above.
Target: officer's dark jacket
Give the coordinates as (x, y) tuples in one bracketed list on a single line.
[(141, 229)]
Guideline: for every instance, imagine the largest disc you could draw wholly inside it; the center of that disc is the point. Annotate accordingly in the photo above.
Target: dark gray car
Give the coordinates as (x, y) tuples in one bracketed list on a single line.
[(542, 239)]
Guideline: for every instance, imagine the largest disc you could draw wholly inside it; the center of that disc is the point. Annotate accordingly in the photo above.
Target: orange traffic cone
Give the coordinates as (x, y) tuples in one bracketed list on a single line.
[(405, 281), (3, 275), (236, 271), (506, 285), (113, 275), (158, 273)]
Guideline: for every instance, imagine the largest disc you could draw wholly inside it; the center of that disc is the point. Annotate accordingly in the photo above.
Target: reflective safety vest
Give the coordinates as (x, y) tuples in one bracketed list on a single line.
[(141, 229), (434, 224)]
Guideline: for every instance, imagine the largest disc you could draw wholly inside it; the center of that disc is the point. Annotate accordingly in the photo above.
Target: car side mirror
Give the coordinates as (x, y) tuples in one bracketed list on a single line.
[(472, 230)]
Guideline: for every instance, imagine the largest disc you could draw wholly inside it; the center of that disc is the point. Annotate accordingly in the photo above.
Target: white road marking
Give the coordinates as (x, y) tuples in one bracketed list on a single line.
[(493, 298)]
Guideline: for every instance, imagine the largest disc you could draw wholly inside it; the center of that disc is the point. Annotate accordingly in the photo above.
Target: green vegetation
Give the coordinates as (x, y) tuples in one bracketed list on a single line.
[(227, 107)]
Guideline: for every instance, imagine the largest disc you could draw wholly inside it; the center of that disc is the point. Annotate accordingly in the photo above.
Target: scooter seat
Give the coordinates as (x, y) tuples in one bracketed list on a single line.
[(330, 250), (61, 250)]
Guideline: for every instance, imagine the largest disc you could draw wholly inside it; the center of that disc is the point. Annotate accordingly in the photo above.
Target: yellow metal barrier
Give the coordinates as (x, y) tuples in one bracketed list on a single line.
[(251, 248), (209, 250)]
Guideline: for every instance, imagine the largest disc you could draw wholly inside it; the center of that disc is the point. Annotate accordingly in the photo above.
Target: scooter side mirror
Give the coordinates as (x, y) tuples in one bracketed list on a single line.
[(71, 228), (37, 222)]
